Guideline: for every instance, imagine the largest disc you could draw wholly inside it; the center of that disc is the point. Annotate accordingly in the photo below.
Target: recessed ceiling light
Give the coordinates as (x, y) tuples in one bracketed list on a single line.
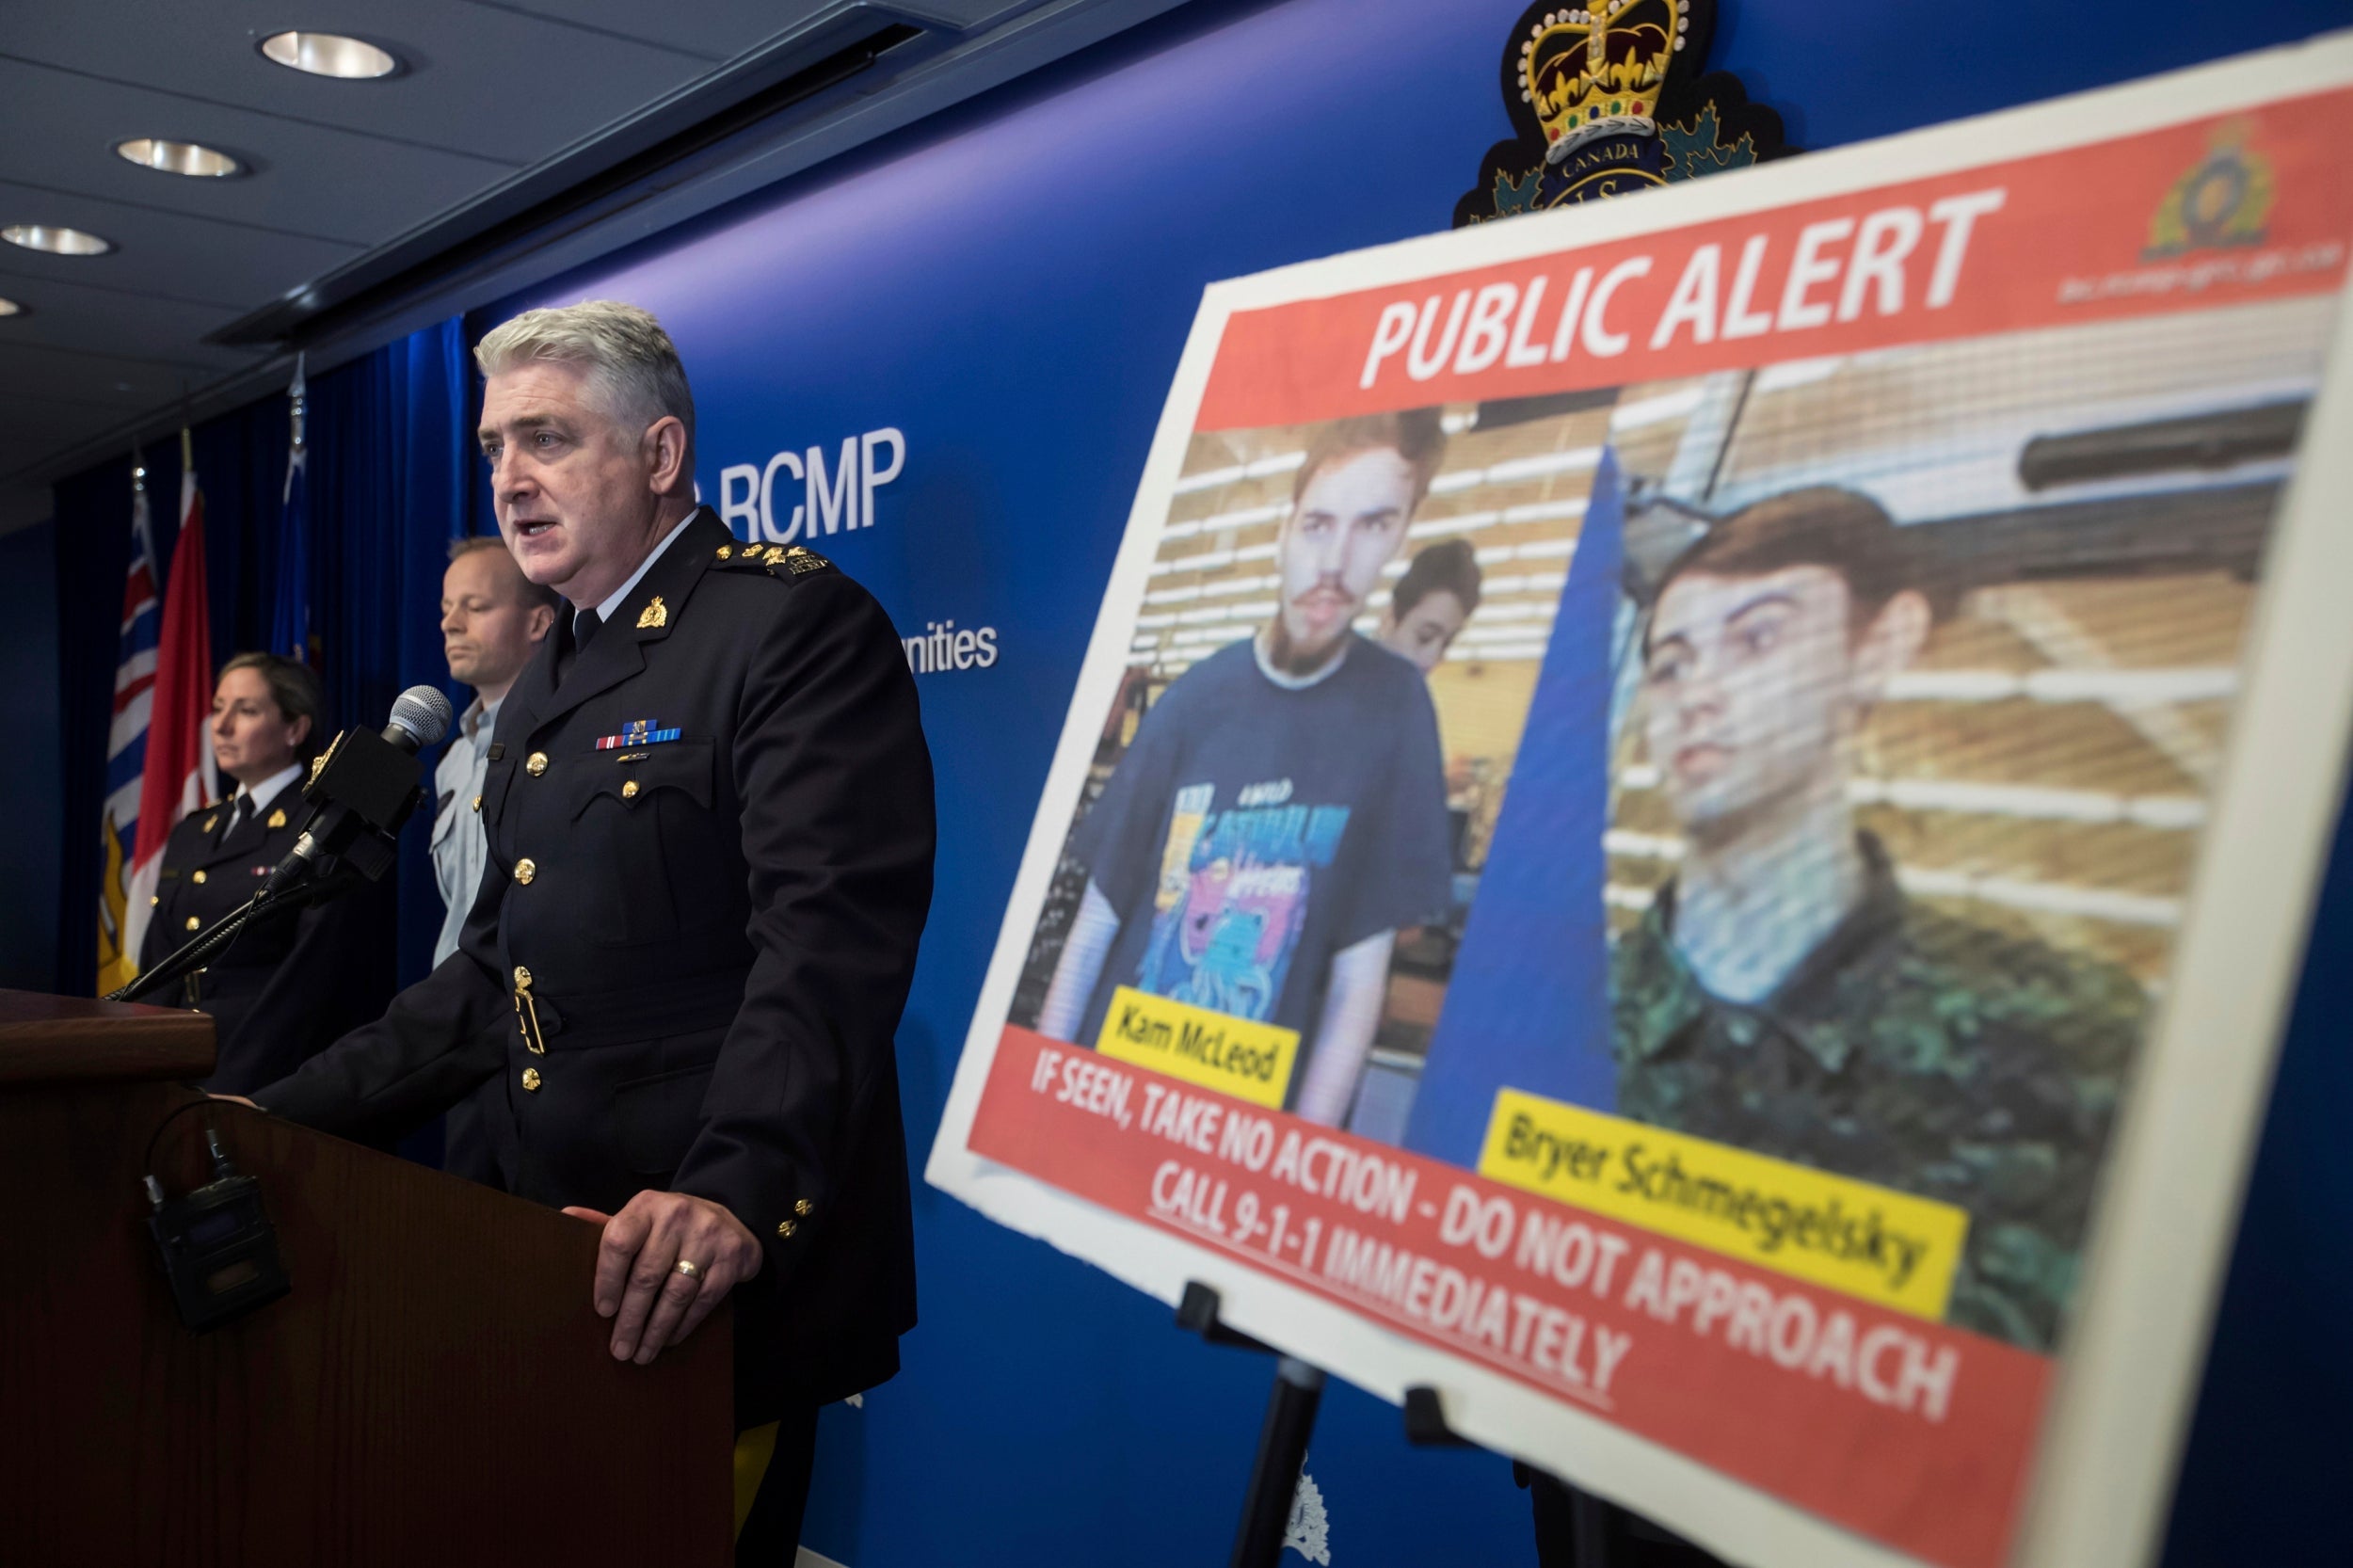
[(179, 157), (61, 242), (330, 54), (11, 307)]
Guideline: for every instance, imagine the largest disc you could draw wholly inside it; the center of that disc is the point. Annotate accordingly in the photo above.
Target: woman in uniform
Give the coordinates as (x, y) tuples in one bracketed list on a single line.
[(294, 980)]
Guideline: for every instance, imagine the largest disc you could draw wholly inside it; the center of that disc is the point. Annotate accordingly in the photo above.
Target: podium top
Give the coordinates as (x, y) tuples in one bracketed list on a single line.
[(46, 1039)]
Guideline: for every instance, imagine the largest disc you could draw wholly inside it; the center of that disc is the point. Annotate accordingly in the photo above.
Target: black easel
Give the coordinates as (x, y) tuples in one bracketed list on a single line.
[(1291, 1418), (1574, 1528)]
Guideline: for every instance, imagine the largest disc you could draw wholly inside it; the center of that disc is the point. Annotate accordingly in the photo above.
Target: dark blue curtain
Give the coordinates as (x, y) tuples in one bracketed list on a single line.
[(390, 440), (392, 483)]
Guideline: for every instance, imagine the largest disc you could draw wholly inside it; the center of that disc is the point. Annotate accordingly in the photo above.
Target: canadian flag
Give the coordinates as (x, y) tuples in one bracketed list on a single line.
[(179, 777)]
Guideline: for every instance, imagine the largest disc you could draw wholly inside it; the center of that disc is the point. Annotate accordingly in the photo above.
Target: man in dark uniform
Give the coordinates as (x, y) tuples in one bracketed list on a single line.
[(1782, 994), (709, 810), (296, 977)]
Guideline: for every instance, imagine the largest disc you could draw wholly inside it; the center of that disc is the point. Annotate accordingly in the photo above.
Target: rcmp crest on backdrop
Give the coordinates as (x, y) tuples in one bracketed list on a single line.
[(2219, 204), (1611, 100)]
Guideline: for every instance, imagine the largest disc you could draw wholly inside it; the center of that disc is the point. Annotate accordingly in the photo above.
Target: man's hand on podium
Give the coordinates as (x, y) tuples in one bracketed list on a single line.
[(640, 1274)]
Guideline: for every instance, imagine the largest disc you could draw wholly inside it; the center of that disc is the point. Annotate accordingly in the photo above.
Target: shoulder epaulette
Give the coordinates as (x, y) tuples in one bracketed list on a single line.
[(777, 560)]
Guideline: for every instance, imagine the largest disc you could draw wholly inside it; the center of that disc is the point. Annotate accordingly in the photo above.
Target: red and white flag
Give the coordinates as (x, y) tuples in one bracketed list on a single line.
[(179, 777)]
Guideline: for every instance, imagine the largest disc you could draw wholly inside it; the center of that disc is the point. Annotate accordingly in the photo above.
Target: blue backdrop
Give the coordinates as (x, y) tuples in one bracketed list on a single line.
[(1006, 288)]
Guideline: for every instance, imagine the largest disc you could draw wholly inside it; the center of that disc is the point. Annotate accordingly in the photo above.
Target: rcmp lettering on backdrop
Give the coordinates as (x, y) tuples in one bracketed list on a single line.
[(803, 494), (1611, 100)]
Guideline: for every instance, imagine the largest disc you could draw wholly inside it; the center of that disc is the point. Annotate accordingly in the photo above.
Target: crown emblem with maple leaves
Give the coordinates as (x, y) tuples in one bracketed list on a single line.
[(1609, 99)]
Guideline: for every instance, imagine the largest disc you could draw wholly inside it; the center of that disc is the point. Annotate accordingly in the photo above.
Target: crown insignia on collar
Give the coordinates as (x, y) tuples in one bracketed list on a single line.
[(654, 614)]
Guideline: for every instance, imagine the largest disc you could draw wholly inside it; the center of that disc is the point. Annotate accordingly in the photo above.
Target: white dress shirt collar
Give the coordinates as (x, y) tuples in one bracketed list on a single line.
[(266, 790), (613, 600)]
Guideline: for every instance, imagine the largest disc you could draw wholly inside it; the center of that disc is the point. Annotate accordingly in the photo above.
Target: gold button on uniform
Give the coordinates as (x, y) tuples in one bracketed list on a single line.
[(531, 1078), (525, 870), (536, 764), (786, 1227), (629, 791), (803, 1207), (192, 922), (522, 978), (477, 803), (199, 879)]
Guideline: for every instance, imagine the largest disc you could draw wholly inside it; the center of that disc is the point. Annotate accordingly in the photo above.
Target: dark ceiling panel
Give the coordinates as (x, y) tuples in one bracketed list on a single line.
[(58, 133), (966, 13), (25, 274), (96, 378), (34, 413), (28, 424), (505, 109), (482, 80), (715, 29), (169, 252), (63, 313), (84, 390)]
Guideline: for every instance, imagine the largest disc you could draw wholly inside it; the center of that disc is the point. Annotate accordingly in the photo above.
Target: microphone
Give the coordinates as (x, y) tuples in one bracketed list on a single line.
[(363, 789), (420, 716)]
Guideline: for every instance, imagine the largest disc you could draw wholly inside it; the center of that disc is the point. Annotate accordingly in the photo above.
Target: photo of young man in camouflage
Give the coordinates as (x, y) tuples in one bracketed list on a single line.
[(1781, 994)]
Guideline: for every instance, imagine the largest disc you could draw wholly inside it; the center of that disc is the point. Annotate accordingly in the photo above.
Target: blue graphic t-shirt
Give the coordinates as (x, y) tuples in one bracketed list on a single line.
[(1253, 830)]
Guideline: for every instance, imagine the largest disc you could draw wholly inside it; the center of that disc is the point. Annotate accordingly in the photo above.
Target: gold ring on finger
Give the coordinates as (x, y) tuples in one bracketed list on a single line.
[(689, 1269)]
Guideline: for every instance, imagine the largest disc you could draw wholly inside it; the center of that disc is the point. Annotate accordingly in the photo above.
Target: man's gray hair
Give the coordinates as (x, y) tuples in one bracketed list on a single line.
[(628, 356)]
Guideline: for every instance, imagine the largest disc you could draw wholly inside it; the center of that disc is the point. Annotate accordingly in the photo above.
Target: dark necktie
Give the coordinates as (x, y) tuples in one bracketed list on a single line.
[(238, 813), (583, 628)]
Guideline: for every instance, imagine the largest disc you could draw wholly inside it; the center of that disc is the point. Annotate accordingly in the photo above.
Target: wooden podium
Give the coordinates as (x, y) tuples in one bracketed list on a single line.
[(435, 1388)]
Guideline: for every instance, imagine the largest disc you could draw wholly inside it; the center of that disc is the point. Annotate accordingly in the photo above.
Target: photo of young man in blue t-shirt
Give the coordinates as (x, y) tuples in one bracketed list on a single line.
[(1281, 813)]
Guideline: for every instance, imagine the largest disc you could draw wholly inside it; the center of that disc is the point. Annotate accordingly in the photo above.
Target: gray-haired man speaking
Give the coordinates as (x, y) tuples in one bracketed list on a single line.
[(708, 812)]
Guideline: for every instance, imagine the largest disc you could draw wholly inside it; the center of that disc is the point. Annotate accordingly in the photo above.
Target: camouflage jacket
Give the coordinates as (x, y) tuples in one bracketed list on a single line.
[(1913, 1050)]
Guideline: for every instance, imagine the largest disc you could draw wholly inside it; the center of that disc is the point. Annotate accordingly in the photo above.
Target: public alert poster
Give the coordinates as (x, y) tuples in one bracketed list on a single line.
[(1688, 821)]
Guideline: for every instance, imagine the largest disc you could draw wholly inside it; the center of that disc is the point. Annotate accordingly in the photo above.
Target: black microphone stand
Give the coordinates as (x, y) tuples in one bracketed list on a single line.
[(199, 948), (202, 948), (361, 790)]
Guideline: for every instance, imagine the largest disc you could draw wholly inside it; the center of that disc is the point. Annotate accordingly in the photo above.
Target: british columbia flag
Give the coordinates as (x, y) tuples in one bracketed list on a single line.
[(163, 697), (126, 744)]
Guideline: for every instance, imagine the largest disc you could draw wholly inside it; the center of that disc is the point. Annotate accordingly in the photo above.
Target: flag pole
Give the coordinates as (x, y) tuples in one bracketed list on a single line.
[(289, 610)]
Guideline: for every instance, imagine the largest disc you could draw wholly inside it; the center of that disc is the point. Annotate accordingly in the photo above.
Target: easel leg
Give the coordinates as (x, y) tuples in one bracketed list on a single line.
[(1291, 1416), (1574, 1528), (1589, 1526)]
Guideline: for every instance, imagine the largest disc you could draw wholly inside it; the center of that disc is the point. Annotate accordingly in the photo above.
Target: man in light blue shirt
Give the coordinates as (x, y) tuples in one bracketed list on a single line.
[(493, 620)]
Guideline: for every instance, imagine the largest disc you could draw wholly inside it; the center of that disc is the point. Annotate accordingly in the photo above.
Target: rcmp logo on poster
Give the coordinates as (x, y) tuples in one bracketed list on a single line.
[(2219, 204), (1611, 100)]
